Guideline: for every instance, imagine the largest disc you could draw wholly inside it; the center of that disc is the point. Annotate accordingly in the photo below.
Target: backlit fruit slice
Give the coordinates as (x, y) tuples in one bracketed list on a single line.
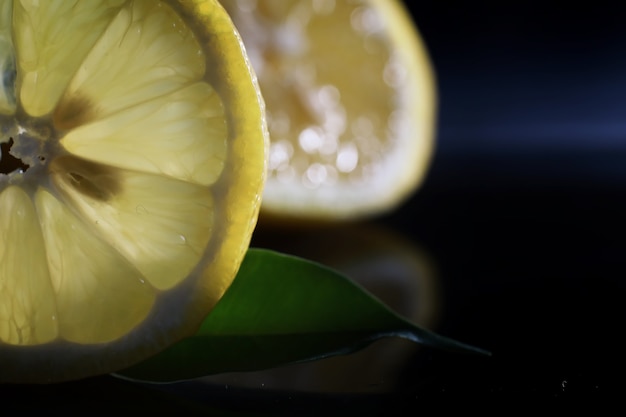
[(350, 98), (133, 160)]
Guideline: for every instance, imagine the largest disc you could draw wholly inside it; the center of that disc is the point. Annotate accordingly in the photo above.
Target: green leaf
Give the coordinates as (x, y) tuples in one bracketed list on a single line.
[(283, 309)]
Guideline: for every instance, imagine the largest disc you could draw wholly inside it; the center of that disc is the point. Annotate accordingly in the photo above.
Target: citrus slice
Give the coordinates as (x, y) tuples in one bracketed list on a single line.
[(133, 159), (350, 96)]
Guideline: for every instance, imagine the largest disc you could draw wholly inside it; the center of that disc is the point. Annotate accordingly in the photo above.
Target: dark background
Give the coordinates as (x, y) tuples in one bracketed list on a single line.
[(524, 206), (522, 213)]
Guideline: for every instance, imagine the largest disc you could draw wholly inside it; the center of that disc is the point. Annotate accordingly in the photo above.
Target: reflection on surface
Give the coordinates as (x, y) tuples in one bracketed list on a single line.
[(395, 270)]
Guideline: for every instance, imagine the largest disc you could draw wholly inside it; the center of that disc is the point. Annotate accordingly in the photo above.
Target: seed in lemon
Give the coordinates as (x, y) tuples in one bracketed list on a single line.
[(350, 96), (133, 159)]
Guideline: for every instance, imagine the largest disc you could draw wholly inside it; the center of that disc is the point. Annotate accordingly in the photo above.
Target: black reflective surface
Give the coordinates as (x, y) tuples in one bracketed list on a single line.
[(524, 206)]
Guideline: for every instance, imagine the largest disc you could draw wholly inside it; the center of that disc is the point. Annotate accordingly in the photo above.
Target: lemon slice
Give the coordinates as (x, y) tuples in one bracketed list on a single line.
[(350, 96), (133, 159)]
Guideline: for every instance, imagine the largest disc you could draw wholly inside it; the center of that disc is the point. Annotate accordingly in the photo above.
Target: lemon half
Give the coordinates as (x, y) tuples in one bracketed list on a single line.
[(133, 160), (351, 104)]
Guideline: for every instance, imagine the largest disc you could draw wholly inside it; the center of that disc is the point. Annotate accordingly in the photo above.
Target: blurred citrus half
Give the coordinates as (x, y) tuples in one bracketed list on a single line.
[(350, 96), (133, 159)]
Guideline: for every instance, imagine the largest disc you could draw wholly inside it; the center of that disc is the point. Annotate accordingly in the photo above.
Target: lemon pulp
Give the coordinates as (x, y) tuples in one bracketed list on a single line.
[(133, 143)]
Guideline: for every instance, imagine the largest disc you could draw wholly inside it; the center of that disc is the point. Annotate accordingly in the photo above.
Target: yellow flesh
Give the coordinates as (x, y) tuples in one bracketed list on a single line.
[(132, 136), (349, 97)]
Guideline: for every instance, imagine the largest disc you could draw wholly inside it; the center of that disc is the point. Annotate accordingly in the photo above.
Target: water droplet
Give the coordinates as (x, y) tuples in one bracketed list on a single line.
[(394, 73), (315, 175), (328, 96), (347, 157), (310, 139), (366, 20), (280, 153)]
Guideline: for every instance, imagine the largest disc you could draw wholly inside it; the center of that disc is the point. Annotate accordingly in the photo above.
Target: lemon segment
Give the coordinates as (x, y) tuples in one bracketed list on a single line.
[(7, 60), (175, 224), (49, 51), (87, 274), (27, 304), (166, 135), (145, 52)]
